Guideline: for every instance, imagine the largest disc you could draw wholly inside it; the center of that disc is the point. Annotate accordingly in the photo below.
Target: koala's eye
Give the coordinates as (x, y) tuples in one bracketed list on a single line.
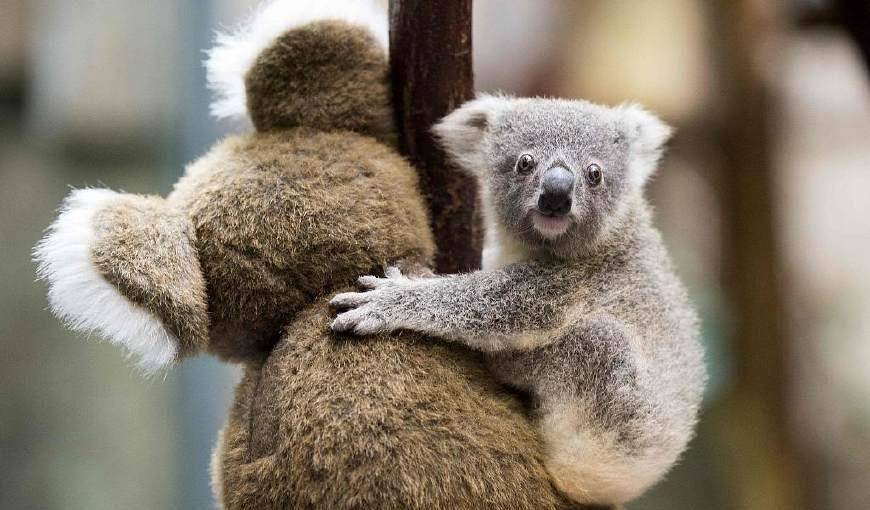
[(594, 175), (526, 164)]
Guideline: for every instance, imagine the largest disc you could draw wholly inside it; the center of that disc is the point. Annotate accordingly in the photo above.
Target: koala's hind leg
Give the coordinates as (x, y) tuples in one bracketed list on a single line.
[(602, 441), (589, 464), (125, 266)]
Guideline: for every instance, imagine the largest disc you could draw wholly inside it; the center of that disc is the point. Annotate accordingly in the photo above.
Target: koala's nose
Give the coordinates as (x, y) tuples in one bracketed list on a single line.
[(557, 187)]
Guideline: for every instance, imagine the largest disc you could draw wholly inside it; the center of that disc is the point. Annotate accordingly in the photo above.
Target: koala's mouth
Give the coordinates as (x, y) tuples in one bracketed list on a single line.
[(550, 226)]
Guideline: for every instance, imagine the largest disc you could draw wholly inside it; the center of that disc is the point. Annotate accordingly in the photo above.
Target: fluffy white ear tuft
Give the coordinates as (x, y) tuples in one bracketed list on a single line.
[(647, 136), (235, 52), (461, 132), (81, 297)]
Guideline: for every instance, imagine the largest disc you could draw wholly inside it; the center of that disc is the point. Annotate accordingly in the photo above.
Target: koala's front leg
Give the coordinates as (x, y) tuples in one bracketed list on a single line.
[(517, 307)]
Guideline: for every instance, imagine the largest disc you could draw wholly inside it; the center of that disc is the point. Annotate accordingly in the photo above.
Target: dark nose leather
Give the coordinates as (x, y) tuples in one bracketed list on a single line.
[(557, 187)]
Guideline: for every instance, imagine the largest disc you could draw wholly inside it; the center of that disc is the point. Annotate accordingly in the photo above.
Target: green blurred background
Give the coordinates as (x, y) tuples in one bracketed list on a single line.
[(763, 200)]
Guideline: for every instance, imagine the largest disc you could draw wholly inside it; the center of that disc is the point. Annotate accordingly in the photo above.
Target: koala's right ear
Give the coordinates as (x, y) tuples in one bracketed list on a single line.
[(647, 135), (462, 131)]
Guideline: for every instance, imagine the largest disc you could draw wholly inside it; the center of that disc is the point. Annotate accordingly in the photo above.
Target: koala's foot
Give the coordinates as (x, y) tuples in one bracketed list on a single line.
[(588, 466), (124, 266)]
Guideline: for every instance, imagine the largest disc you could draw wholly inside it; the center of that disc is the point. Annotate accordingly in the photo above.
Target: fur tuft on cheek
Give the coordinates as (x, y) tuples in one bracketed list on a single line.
[(647, 136)]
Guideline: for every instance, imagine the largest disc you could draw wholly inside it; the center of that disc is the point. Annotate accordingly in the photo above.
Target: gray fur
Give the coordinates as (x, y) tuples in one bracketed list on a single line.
[(590, 320)]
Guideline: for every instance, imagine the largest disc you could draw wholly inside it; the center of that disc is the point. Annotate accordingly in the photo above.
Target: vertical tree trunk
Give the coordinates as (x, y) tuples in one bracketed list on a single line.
[(430, 55), (756, 427)]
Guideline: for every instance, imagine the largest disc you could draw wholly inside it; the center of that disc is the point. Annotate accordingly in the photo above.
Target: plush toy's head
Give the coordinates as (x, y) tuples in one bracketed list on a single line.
[(329, 76), (291, 65)]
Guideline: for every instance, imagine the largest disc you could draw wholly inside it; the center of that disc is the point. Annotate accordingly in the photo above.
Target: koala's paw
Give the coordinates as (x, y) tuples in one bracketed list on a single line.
[(366, 313)]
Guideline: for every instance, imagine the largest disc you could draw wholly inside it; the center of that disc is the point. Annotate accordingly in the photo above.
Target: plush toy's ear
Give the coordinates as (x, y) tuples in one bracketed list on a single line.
[(125, 267), (462, 131), (647, 136)]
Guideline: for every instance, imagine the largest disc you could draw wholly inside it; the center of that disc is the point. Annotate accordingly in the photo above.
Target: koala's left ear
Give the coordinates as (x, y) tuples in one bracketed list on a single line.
[(462, 131), (647, 136)]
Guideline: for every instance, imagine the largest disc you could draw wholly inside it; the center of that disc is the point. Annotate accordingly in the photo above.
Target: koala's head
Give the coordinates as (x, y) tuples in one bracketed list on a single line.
[(556, 174)]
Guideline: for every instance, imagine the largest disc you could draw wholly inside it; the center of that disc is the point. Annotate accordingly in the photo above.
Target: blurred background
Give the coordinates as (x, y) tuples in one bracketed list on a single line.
[(764, 200)]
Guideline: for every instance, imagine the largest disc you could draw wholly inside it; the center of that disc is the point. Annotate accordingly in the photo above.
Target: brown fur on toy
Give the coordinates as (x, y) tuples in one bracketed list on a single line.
[(238, 260), (343, 424)]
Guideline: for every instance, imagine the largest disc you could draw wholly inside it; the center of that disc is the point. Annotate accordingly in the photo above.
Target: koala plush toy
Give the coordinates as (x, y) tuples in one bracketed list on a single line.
[(241, 257)]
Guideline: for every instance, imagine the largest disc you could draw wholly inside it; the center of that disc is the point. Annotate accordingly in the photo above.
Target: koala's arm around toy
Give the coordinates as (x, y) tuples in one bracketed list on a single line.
[(496, 310), (125, 267)]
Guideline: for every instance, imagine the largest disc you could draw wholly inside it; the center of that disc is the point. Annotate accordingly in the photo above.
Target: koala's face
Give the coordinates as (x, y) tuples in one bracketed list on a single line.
[(554, 173)]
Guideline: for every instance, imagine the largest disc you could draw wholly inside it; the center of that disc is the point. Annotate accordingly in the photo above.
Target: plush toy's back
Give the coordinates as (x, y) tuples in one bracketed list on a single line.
[(284, 217), (389, 423)]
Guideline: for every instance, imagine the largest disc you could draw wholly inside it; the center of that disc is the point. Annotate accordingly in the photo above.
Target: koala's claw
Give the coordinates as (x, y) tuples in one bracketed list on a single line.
[(369, 282), (359, 321), (393, 273), (392, 276), (347, 300)]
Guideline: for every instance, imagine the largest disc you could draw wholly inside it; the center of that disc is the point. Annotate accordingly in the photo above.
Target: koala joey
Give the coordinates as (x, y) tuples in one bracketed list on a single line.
[(577, 303)]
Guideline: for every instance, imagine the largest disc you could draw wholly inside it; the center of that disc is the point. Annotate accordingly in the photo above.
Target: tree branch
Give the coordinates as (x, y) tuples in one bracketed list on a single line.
[(430, 56)]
